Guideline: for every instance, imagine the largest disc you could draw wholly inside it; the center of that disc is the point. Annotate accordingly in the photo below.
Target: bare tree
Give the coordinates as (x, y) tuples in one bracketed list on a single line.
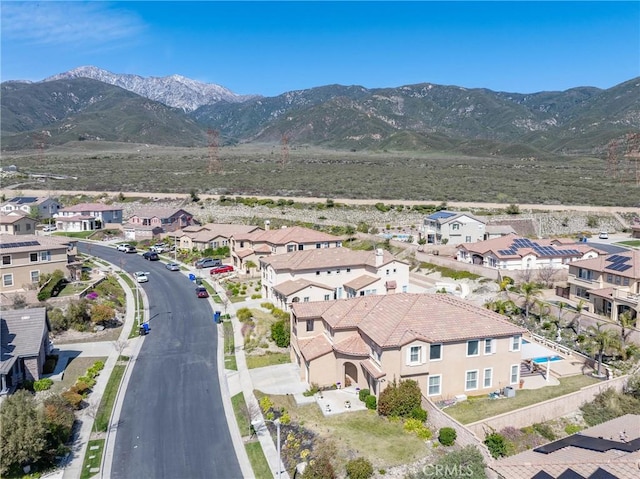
[(120, 345), (525, 275), (546, 274), (92, 412)]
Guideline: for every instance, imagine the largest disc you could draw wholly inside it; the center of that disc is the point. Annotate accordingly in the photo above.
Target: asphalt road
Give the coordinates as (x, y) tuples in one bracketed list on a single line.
[(172, 424)]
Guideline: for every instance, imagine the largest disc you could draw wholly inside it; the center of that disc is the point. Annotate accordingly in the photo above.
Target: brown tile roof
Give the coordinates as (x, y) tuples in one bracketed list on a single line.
[(23, 243), (290, 287), (293, 234), (243, 253), (499, 246), (326, 258), (158, 212), (603, 264), (264, 249), (372, 369), (314, 347), (353, 346), (397, 319), (361, 281), (603, 293)]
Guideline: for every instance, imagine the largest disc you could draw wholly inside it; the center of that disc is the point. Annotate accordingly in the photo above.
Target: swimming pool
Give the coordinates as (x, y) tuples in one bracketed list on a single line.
[(544, 360)]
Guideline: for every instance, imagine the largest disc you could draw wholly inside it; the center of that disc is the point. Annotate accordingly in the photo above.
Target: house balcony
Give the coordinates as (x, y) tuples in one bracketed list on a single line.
[(584, 282)]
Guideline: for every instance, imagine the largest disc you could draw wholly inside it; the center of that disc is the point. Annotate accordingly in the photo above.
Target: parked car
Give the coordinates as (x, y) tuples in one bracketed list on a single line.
[(131, 249), (123, 247), (141, 277), (201, 292), (603, 235), (173, 266), (151, 256), (49, 228), (208, 263), (160, 248), (225, 268)]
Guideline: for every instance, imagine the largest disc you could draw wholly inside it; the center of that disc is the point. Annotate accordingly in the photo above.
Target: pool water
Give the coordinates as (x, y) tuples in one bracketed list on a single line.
[(544, 360)]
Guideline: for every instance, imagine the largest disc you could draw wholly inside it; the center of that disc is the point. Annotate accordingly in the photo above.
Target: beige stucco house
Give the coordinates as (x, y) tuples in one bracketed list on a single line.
[(331, 273), (24, 338), (515, 253), (609, 284), (448, 227), (211, 235), (449, 346), (26, 258), (259, 244), (153, 222), (17, 222)]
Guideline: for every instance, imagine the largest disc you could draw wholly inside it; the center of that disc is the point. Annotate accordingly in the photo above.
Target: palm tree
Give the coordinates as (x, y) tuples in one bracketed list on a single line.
[(250, 265), (602, 340), (626, 322), (575, 323), (502, 306), (530, 291)]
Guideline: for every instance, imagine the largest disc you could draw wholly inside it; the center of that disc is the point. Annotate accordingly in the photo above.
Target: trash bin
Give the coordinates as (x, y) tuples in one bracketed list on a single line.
[(192, 277), (217, 316), (198, 281)]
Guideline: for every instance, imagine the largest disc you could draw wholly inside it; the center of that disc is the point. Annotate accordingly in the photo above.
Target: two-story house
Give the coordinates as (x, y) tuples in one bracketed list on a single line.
[(447, 227), (211, 235), (24, 345), (331, 273), (37, 207), (512, 252), (153, 222), (251, 247), (87, 217), (449, 346), (27, 257), (610, 284), (17, 222)]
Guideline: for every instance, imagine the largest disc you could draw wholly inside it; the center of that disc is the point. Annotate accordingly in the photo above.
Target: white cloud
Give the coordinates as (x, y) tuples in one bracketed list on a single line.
[(60, 23)]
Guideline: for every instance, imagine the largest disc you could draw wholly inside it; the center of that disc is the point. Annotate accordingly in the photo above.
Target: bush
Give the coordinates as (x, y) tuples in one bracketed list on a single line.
[(280, 333), (609, 405), (572, 429), (415, 425), (59, 418), (545, 431), (371, 402), (73, 398), (447, 436), (399, 399), (497, 445), (359, 468), (265, 403), (244, 314), (42, 384), (419, 414), (363, 393)]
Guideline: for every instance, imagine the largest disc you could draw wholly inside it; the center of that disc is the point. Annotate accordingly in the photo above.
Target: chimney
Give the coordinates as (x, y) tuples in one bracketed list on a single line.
[(266, 225), (379, 256)]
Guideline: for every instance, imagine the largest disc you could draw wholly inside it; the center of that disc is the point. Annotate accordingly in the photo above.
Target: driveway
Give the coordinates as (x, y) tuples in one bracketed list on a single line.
[(280, 379)]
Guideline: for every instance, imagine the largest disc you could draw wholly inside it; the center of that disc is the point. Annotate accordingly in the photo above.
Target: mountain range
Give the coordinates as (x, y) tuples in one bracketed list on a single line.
[(90, 103)]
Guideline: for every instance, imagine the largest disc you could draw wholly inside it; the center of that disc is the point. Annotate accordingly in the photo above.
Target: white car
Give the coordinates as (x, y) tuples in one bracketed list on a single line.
[(49, 228), (141, 277), (603, 235), (123, 247)]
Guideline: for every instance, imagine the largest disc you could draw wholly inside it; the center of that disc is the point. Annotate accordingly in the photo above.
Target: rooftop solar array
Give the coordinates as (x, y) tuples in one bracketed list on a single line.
[(507, 252), (616, 257), (618, 263), (23, 200), (441, 215), (619, 267), (540, 250), (19, 244)]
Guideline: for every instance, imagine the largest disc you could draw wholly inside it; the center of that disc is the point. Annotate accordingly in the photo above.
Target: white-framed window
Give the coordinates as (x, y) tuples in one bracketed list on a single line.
[(471, 380), (45, 255), (434, 385), (435, 352), (489, 346), (515, 373), (7, 279), (327, 297), (291, 248), (6, 259), (310, 324), (455, 226), (305, 299), (415, 355), (515, 343), (473, 347), (33, 257), (35, 276), (487, 377)]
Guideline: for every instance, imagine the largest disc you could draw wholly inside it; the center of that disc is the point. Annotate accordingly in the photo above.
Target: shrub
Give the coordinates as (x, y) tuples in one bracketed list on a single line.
[(497, 445), (545, 431), (244, 314), (285, 418), (572, 429), (59, 418), (416, 426), (42, 384), (265, 403), (419, 414), (363, 393), (399, 399), (312, 390), (371, 402), (73, 398), (447, 436), (359, 468), (280, 333)]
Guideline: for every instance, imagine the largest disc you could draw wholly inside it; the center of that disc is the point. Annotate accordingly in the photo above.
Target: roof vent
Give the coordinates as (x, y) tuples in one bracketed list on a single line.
[(25, 317)]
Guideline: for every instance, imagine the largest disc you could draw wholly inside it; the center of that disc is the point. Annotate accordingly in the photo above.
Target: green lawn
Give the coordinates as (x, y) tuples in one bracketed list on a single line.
[(92, 458), (241, 412), (138, 304), (481, 407), (267, 359), (108, 398), (73, 370), (259, 464), (229, 347), (632, 243)]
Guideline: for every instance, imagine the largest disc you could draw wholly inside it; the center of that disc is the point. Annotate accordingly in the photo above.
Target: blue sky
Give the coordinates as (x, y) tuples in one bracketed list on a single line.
[(269, 48)]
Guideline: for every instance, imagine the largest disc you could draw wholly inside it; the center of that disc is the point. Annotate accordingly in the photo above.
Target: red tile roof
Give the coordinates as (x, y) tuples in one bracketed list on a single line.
[(314, 347), (353, 346), (293, 234), (290, 287), (603, 264), (326, 258)]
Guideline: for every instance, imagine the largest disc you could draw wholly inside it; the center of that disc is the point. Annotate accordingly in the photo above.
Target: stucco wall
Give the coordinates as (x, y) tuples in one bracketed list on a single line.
[(547, 410)]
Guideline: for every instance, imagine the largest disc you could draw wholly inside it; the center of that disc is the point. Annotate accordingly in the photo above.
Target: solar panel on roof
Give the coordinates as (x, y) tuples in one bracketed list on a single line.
[(19, 244), (616, 258), (624, 267)]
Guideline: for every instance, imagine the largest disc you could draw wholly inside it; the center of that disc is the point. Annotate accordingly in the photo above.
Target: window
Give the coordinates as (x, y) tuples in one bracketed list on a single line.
[(467, 239), (455, 226), (6, 259), (415, 355), (28, 226), (33, 257), (609, 278), (45, 255), (317, 273), (488, 377), (305, 299), (327, 297), (489, 346), (17, 228), (325, 244), (471, 380), (35, 276), (348, 270), (515, 371), (473, 347), (309, 324), (7, 279), (300, 247), (434, 385), (328, 272), (625, 281), (291, 248), (515, 343), (387, 271), (435, 352)]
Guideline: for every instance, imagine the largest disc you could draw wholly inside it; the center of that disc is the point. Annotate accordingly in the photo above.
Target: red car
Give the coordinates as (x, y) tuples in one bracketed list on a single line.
[(201, 292), (225, 268)]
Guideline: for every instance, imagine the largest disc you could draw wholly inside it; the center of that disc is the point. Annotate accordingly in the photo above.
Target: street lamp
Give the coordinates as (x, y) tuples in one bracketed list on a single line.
[(276, 422)]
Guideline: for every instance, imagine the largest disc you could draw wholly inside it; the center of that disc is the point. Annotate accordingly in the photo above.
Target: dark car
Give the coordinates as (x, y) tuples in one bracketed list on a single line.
[(208, 263), (201, 292), (151, 256), (225, 268)]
